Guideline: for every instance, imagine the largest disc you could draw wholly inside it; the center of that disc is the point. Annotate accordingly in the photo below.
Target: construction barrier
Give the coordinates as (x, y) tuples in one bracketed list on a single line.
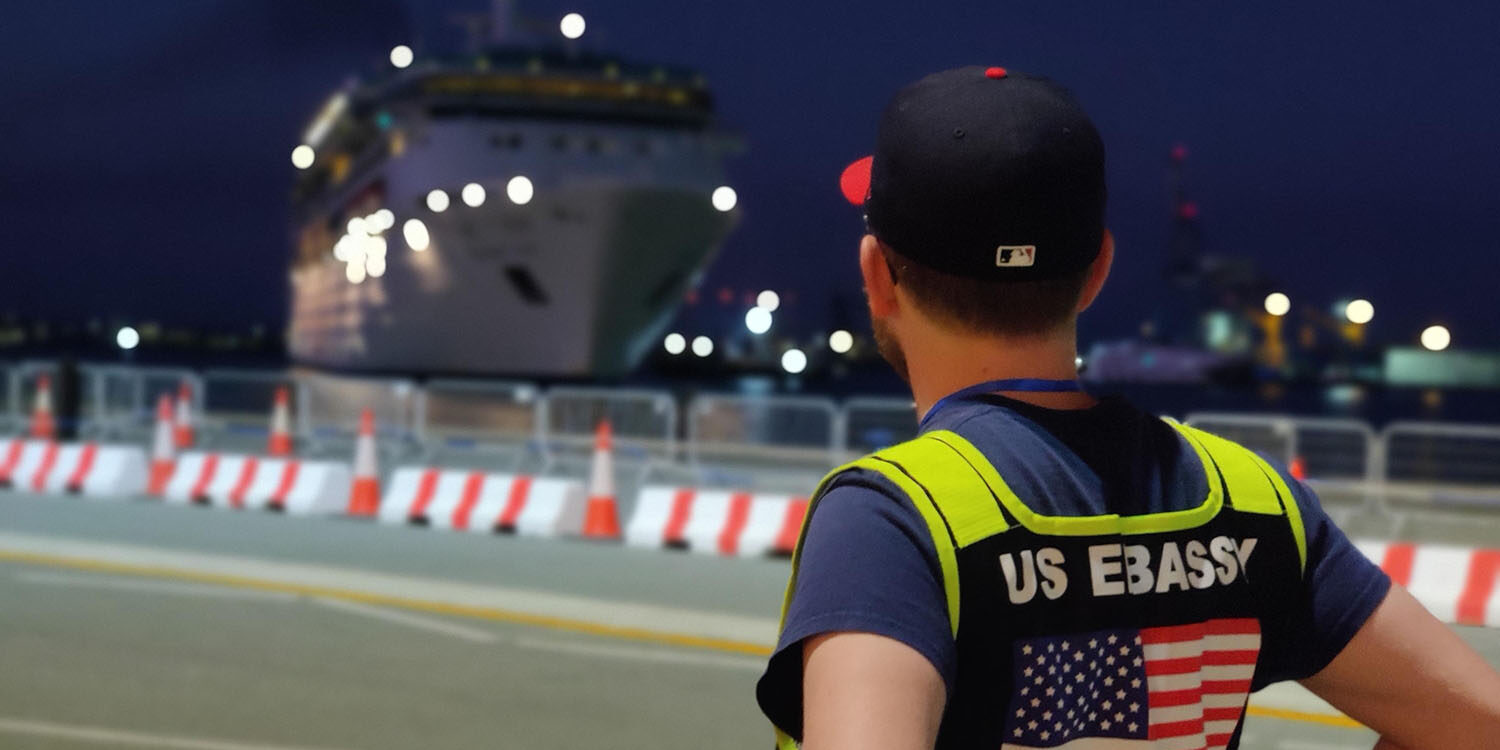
[(91, 469), (237, 481), (1455, 584), (475, 501), (716, 522)]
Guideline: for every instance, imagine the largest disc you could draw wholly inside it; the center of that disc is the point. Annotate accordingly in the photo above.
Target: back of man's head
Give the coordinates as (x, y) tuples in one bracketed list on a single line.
[(986, 191)]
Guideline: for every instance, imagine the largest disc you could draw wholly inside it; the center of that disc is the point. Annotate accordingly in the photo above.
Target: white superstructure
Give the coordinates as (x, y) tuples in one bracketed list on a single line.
[(577, 207)]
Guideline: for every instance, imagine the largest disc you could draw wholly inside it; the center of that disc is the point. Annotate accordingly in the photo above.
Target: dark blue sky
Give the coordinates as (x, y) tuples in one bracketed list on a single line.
[(1351, 147)]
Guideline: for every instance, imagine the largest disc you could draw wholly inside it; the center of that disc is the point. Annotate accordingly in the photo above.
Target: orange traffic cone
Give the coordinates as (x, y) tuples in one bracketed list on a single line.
[(1298, 469), (281, 425), (163, 458), (364, 495), (602, 519), (182, 429), (43, 424)]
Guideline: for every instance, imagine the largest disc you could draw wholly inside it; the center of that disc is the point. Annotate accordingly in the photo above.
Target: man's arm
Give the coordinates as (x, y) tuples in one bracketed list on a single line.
[(1413, 680), (867, 691)]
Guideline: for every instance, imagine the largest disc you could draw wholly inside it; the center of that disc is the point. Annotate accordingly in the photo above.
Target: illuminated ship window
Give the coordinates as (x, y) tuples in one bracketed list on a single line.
[(526, 285)]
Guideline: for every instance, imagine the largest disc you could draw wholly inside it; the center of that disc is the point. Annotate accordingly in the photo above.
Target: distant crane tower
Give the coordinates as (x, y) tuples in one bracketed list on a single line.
[(1185, 266)]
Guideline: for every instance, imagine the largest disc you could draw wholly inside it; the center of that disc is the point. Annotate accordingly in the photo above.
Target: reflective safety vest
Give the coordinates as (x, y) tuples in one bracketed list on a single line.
[(1143, 627)]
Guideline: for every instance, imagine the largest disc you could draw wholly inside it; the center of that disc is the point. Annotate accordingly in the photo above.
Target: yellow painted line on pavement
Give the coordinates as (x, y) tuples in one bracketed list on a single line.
[(502, 615), (492, 614)]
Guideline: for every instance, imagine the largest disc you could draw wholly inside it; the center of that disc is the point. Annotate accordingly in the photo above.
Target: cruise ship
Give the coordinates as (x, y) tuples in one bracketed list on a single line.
[(527, 208)]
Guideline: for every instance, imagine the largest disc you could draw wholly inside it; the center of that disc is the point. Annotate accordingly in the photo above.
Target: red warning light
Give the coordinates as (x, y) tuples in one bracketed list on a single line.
[(995, 73)]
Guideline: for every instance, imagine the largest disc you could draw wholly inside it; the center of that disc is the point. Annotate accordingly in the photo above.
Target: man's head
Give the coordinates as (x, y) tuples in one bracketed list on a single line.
[(984, 201)]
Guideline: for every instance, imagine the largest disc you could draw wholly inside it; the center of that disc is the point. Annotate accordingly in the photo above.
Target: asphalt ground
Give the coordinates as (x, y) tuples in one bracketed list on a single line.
[(136, 625)]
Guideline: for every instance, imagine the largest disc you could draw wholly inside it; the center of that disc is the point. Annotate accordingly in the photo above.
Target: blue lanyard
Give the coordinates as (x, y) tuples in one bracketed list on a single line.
[(1025, 385)]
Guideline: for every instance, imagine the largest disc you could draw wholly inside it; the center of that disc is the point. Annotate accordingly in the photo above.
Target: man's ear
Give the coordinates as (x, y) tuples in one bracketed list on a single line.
[(880, 288), (1098, 272)]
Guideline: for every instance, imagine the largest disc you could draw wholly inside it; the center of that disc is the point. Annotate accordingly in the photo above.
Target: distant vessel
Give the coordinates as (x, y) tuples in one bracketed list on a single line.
[(526, 209)]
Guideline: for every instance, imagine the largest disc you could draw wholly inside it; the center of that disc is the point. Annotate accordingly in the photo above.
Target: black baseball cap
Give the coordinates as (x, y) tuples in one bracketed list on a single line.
[(985, 173)]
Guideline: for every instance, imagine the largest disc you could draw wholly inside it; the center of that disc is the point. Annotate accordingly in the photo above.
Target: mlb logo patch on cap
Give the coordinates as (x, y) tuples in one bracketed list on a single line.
[(1015, 256)]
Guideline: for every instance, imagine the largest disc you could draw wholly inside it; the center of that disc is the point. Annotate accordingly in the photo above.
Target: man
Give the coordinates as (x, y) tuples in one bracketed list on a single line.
[(1041, 568)]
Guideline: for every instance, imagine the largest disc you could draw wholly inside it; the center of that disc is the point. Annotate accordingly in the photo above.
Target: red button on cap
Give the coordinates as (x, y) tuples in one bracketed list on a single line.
[(995, 73)]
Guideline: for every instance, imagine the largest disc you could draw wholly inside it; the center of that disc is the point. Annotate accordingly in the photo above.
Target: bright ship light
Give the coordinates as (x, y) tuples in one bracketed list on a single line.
[(127, 338), (1436, 338), (675, 343), (416, 235), (703, 346), (357, 227), (473, 195), (794, 361), (841, 341), (401, 56), (437, 201), (354, 272), (520, 190), (724, 198), (758, 320), (303, 156), (769, 300), (572, 25), (383, 219)]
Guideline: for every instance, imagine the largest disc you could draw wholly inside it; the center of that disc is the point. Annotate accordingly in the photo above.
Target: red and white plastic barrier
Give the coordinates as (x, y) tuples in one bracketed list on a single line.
[(92, 469), (1456, 584), (475, 501), (230, 480), (716, 522)]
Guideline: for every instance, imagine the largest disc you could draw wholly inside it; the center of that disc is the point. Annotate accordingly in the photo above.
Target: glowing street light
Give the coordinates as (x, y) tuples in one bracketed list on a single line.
[(724, 198), (473, 195), (127, 338), (437, 201), (416, 235), (841, 341), (572, 25), (758, 320), (769, 300), (520, 190), (675, 343), (401, 56), (303, 156), (1436, 338), (1278, 304), (703, 346), (1359, 311), (794, 361)]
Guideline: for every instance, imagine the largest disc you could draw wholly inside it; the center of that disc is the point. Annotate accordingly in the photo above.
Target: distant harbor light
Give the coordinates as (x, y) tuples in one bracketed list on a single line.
[(675, 343), (724, 198), (1359, 311), (703, 346), (127, 338), (769, 300), (1436, 338), (437, 201), (1278, 304), (384, 219), (401, 56), (356, 226), (572, 25), (794, 361), (758, 320), (841, 341)]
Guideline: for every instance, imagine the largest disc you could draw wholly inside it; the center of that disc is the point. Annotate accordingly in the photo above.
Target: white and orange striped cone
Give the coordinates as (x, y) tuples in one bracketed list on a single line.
[(182, 428), (163, 455), (364, 494), (43, 423), (602, 519), (281, 425)]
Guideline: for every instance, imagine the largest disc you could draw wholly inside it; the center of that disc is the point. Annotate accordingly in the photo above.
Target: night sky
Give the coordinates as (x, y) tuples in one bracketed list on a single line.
[(1352, 148)]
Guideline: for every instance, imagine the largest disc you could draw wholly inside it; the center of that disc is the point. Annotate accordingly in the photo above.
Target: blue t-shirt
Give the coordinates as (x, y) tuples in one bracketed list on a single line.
[(867, 562)]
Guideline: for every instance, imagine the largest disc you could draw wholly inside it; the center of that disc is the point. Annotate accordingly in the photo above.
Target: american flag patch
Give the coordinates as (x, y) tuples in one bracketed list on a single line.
[(1172, 688)]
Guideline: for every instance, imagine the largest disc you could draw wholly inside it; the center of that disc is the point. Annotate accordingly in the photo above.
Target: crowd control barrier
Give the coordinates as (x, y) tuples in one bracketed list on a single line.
[(92, 469), (464, 500), (716, 522), (246, 482)]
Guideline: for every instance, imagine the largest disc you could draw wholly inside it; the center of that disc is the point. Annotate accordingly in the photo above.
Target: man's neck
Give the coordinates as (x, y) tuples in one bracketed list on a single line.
[(946, 364)]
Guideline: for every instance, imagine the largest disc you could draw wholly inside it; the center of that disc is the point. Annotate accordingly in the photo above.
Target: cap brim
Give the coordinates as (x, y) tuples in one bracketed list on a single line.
[(855, 181)]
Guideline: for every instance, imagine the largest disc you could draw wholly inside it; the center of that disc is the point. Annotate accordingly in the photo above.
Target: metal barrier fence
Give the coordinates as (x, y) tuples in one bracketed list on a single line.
[(644, 422), (792, 432), (874, 423), (1330, 449), (237, 406), (1459, 464)]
